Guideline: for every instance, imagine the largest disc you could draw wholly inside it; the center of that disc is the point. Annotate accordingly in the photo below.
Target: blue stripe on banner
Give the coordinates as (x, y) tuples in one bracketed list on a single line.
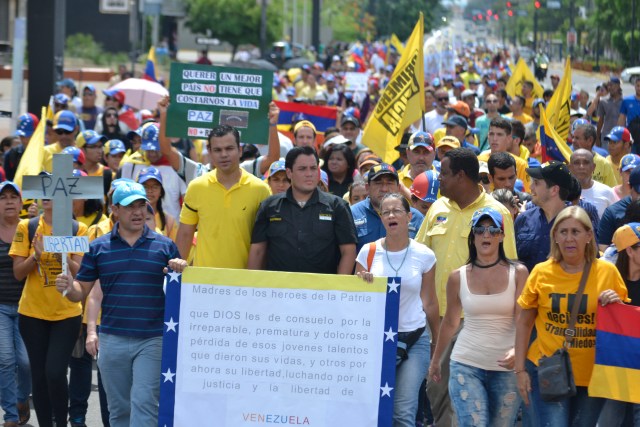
[(170, 349), (608, 350), (390, 344)]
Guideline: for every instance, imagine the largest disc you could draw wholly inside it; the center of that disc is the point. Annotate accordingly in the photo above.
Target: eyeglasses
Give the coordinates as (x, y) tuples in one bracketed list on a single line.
[(479, 230), (63, 132), (443, 99), (491, 101), (395, 212)]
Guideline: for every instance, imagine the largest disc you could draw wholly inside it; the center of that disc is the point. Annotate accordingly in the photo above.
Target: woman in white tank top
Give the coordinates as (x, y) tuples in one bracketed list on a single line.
[(482, 385)]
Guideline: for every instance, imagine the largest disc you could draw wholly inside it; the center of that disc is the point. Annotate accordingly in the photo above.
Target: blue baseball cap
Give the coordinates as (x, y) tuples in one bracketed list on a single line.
[(324, 177), (578, 122), (61, 98), (11, 185), (614, 79), (291, 91), (128, 192), (89, 137), (149, 173), (27, 124), (78, 173), (116, 182), (519, 185), (65, 120), (330, 78), (435, 82), (537, 102), (67, 83), (426, 186), (91, 88), (421, 139), (277, 166), (619, 133), (150, 135), (78, 155), (490, 213), (629, 161), (113, 147)]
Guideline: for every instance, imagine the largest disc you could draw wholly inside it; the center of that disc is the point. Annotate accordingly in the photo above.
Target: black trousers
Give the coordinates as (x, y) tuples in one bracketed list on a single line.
[(49, 345)]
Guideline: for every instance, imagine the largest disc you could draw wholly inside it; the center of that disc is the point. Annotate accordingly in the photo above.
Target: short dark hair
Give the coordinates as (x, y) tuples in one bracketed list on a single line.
[(296, 152), (517, 129), (503, 93), (501, 123), (500, 160), (589, 131), (465, 160), (222, 130), (563, 193), (547, 93)]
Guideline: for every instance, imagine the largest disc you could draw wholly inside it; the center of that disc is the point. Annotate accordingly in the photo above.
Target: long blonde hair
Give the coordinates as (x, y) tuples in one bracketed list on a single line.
[(579, 214)]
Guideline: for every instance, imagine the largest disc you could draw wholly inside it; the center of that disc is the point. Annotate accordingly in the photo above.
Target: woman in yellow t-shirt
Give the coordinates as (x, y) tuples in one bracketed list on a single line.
[(546, 301), (49, 323)]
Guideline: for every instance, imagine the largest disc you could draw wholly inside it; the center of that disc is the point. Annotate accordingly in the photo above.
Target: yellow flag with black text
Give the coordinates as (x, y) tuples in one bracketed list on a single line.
[(559, 108), (402, 101), (521, 73)]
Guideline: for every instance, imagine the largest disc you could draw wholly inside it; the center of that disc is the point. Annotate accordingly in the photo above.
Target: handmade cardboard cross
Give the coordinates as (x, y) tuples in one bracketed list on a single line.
[(62, 188)]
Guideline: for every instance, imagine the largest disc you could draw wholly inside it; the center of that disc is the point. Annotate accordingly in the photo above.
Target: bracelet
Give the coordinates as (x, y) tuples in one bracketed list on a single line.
[(520, 371), (273, 124)]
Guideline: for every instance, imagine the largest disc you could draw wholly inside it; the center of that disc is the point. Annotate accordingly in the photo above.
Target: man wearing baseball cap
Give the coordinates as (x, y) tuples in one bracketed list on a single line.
[(550, 187), (89, 111), (421, 153), (382, 179), (619, 143), (457, 126), (131, 333), (65, 126), (27, 124), (350, 129), (114, 150)]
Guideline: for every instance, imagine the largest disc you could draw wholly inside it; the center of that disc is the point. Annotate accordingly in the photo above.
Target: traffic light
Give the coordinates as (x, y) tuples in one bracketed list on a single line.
[(537, 4), (509, 5), (510, 12), (489, 12), (496, 17)]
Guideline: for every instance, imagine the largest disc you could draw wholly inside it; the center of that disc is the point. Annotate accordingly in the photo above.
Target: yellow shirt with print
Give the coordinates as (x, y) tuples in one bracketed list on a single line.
[(524, 117), (40, 299), (224, 218), (604, 171), (47, 155), (521, 168), (549, 289), (445, 230), (616, 170)]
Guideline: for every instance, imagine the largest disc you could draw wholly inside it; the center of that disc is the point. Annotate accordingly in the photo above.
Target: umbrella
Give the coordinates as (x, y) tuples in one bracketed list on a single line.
[(141, 93), (258, 64), (297, 63)]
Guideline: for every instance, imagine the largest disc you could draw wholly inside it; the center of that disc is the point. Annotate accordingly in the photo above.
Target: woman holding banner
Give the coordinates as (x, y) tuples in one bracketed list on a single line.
[(49, 322), (552, 290), (396, 255), (627, 242)]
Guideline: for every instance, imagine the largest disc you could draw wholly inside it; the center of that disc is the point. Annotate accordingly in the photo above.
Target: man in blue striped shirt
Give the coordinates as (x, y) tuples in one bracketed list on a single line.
[(129, 263)]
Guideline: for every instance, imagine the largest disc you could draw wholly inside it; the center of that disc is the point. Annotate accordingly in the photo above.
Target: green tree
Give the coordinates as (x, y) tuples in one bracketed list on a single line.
[(400, 16), (234, 21)]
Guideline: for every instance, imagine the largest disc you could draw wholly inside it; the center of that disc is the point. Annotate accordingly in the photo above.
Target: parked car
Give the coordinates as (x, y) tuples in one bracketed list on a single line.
[(630, 74)]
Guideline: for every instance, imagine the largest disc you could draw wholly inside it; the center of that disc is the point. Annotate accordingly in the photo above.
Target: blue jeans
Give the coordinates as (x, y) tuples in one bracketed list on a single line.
[(577, 411), (616, 414), (483, 398), (409, 376), (15, 376), (130, 369)]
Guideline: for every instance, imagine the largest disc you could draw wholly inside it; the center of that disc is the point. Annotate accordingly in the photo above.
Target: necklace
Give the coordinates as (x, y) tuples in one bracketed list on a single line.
[(301, 204), (386, 252), (488, 265)]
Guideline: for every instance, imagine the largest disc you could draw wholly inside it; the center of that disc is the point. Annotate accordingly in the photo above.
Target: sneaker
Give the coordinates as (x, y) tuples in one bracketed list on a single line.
[(24, 412), (77, 422)]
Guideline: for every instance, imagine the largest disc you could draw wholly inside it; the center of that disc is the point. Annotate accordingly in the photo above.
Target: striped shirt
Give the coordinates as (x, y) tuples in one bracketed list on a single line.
[(131, 278)]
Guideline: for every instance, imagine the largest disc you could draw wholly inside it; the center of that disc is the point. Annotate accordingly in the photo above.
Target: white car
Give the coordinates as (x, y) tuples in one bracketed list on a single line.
[(630, 74)]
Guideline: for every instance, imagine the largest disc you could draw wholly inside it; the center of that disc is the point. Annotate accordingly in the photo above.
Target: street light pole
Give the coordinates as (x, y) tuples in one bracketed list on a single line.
[(571, 26), (535, 30), (263, 29)]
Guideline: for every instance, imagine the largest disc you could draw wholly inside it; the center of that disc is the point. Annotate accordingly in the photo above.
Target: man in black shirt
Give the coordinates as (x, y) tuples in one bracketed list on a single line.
[(305, 229)]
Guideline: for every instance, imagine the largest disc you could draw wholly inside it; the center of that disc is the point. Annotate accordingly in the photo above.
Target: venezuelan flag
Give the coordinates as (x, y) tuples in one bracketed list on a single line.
[(151, 68), (553, 147), (616, 373), (321, 117)]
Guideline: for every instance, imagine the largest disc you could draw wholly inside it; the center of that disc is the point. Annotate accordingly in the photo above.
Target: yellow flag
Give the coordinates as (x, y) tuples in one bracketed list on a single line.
[(401, 102), (559, 108), (31, 161), (397, 44), (520, 74)]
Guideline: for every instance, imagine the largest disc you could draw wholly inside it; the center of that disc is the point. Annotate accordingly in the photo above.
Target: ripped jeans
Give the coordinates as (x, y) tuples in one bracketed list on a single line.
[(483, 398)]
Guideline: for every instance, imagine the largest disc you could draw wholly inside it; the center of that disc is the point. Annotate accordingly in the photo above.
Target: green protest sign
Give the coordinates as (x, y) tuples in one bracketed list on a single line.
[(204, 96)]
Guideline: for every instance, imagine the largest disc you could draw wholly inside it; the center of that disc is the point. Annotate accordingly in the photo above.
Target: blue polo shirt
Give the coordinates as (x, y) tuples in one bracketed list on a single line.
[(532, 236), (131, 279), (369, 225), (612, 219)]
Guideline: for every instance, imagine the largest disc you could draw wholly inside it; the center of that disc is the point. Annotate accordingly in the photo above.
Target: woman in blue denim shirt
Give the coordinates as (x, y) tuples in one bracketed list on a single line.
[(482, 385)]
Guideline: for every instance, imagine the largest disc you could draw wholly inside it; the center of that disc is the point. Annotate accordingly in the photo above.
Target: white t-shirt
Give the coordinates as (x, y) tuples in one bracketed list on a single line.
[(174, 189), (433, 121), (601, 195), (419, 260)]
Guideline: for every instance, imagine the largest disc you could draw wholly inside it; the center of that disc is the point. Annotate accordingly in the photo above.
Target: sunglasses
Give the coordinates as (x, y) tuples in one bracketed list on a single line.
[(63, 132), (443, 99), (479, 230), (491, 101)]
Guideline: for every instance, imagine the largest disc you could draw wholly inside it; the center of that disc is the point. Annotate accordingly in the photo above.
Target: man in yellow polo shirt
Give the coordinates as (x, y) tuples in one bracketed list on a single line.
[(500, 140), (222, 204), (445, 230)]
